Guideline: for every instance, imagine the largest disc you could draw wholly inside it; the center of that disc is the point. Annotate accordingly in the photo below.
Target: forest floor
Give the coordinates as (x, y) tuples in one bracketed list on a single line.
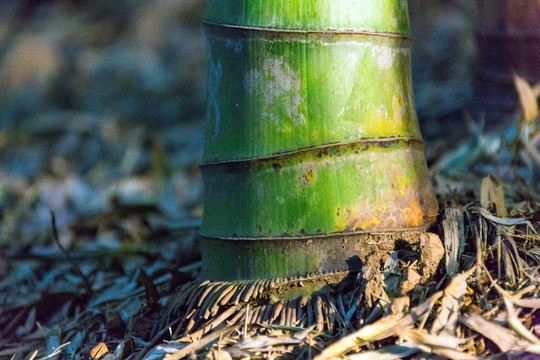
[(102, 109)]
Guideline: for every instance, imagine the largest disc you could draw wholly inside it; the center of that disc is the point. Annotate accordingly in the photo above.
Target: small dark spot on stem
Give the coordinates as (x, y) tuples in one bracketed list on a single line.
[(277, 167)]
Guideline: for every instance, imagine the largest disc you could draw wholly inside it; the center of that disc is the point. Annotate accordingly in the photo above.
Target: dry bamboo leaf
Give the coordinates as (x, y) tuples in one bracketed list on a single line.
[(294, 312), (255, 291), (277, 311), (222, 317), (283, 315), (250, 315), (317, 307), (99, 351), (191, 324), (329, 302), (208, 291), (450, 304), (527, 99), (260, 314), (393, 352), (310, 314), (214, 310), (506, 221), (237, 353), (300, 313), (516, 324), (218, 354), (123, 349), (303, 322), (267, 314), (208, 305), (248, 291), (291, 317), (239, 291), (341, 306), (228, 293), (452, 354), (352, 309), (56, 351), (527, 303), (303, 334), (191, 348), (260, 342), (502, 337), (193, 302), (301, 306), (236, 318), (383, 328), (193, 293), (260, 288), (159, 351), (33, 356), (150, 289), (534, 349), (179, 297), (420, 337), (492, 193), (454, 238)]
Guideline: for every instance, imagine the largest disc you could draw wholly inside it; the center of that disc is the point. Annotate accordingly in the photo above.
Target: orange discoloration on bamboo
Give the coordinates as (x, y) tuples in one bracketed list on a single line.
[(414, 213), (308, 176)]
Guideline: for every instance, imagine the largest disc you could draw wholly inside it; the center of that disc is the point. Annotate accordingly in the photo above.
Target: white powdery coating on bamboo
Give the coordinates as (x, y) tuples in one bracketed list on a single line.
[(385, 57), (215, 73), (280, 87)]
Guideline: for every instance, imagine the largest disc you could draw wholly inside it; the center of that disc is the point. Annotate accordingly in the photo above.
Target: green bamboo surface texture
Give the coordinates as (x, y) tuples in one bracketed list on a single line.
[(350, 188), (276, 92), (341, 15), (311, 126)]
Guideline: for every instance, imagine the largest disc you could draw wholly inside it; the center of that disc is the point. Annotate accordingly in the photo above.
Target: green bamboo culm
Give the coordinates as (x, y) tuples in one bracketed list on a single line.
[(312, 141)]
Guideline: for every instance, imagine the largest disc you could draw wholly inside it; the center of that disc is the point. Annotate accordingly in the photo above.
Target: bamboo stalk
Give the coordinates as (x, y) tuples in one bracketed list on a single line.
[(312, 138)]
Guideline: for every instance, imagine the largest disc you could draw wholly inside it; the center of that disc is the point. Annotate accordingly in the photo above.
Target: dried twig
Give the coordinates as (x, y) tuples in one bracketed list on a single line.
[(73, 263), (381, 329), (180, 354)]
